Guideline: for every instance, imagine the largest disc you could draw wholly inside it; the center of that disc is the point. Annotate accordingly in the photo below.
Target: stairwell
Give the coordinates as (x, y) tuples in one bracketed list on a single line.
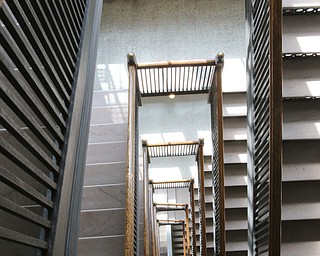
[(235, 164), (301, 130), (102, 219), (105, 169), (177, 240)]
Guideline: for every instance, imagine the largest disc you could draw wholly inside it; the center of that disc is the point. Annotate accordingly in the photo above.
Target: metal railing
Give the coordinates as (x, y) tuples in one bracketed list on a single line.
[(264, 65), (47, 62)]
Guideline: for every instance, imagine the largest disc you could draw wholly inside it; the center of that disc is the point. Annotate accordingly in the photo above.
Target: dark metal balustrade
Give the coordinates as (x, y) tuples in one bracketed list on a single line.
[(45, 86), (264, 124)]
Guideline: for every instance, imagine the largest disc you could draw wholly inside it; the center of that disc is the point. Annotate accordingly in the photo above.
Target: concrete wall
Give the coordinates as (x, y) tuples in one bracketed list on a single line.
[(168, 30)]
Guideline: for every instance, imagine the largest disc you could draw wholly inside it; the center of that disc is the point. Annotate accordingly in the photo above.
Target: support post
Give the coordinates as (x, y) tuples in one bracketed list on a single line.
[(219, 67), (131, 240), (187, 229), (146, 209), (275, 110), (193, 218), (202, 206)]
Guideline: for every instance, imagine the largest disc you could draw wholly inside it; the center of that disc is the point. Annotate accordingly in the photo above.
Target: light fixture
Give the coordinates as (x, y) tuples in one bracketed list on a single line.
[(172, 96)]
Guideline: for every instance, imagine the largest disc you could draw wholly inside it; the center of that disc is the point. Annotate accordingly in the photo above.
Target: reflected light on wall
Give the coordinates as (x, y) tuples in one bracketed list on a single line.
[(242, 158), (111, 76), (313, 87), (194, 173), (240, 136), (309, 43), (162, 216), (207, 147), (162, 174), (245, 179), (234, 75), (101, 66), (152, 137), (300, 4), (173, 136), (317, 125), (172, 201), (160, 198), (236, 110)]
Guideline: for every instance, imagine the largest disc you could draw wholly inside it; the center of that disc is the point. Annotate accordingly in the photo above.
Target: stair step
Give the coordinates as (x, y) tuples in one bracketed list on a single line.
[(300, 118), (300, 237), (296, 38), (108, 222), (107, 152), (109, 115), (234, 104), (105, 173), (104, 197), (235, 128), (301, 77), (235, 152), (236, 241), (236, 197), (236, 219), (299, 196), (301, 167), (235, 175), (108, 133), (99, 246)]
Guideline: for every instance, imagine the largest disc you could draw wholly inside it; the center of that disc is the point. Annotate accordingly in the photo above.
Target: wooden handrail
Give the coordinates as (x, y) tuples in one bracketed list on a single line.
[(179, 63), (130, 232), (169, 181), (173, 143)]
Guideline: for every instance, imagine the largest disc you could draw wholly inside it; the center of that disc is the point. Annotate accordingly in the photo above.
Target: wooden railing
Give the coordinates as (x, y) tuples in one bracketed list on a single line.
[(48, 52), (190, 211), (132, 175), (216, 102), (183, 77), (186, 226)]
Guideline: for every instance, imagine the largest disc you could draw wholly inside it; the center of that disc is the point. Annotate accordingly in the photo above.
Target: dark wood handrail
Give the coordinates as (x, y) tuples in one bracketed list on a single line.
[(130, 248), (179, 63)]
